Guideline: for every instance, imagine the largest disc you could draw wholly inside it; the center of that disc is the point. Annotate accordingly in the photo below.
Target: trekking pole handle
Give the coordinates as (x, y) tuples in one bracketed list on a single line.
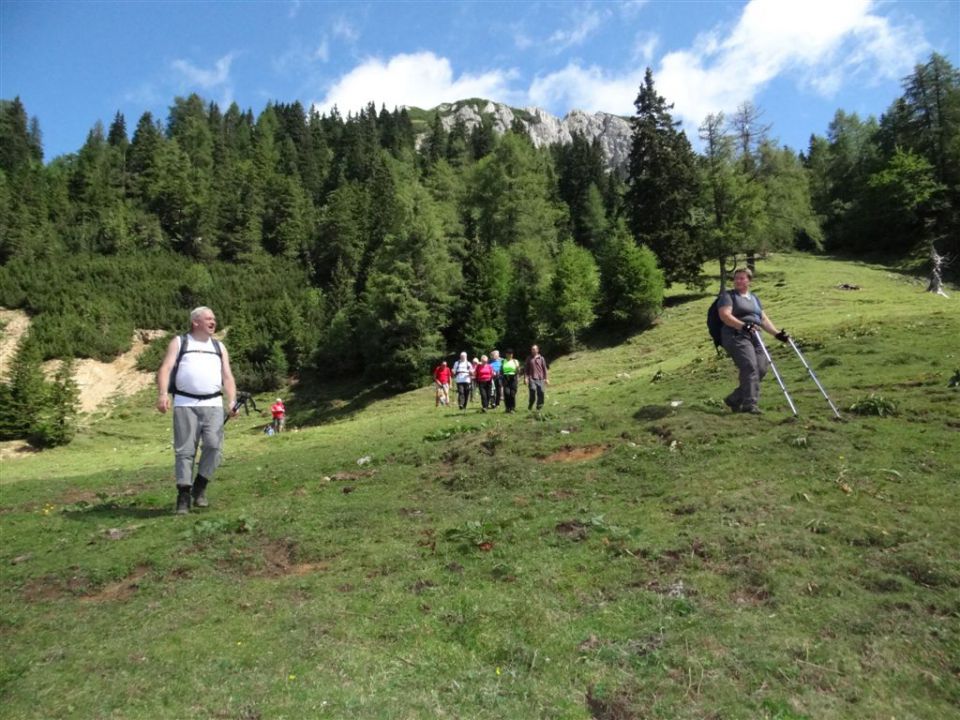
[(233, 408)]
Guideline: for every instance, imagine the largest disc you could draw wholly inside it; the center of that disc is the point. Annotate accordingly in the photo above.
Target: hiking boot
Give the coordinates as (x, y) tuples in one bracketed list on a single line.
[(199, 492), (730, 403), (751, 410), (183, 499)]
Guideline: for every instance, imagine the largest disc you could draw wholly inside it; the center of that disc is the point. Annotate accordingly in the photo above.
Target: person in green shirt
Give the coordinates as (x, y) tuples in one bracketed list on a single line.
[(509, 370)]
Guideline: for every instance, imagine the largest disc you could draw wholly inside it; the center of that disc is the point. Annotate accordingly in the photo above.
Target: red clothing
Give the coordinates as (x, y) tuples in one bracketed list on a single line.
[(484, 373), (441, 374), (278, 410)]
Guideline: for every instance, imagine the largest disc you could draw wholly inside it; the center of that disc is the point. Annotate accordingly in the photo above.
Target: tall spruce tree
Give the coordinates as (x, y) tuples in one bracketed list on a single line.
[(574, 292), (663, 187), (631, 284), (731, 202)]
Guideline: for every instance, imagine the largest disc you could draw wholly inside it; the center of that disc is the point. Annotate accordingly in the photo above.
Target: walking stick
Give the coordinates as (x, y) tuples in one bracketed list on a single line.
[(775, 373), (814, 376), (236, 406)]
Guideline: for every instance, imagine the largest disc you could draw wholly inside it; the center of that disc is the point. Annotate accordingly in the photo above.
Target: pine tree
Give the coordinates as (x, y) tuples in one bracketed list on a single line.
[(580, 168), (27, 394), (631, 284), (16, 148), (731, 202), (574, 292), (143, 156), (408, 295), (435, 145), (57, 422), (663, 188)]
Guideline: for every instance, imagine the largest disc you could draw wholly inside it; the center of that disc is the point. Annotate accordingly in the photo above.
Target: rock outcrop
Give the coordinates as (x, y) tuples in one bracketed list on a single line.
[(543, 128)]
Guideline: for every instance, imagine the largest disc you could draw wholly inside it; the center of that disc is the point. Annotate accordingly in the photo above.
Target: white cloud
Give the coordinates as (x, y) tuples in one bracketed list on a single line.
[(630, 8), (644, 46), (206, 79), (822, 44), (322, 52), (343, 29), (584, 27), (521, 39), (420, 79), (590, 89)]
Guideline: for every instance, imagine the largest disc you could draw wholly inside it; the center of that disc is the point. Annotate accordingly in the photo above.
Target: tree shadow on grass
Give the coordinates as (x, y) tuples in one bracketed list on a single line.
[(653, 412), (677, 300), (314, 401), (114, 510)]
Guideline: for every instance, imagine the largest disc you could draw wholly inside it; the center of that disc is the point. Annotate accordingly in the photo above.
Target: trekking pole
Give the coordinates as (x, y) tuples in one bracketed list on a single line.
[(814, 376), (775, 373), (236, 406)]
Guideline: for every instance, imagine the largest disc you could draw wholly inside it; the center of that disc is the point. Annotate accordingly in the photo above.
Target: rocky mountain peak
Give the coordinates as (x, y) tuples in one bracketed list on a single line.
[(544, 128)]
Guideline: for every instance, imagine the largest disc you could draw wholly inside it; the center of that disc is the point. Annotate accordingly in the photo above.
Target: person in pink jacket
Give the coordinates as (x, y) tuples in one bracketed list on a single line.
[(484, 376)]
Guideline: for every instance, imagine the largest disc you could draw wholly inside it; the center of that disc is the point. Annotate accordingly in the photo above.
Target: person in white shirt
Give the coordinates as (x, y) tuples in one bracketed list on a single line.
[(196, 371), (463, 377)]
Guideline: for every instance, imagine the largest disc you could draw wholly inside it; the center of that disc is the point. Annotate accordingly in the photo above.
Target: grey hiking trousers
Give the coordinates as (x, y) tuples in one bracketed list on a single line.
[(190, 424), (752, 364)]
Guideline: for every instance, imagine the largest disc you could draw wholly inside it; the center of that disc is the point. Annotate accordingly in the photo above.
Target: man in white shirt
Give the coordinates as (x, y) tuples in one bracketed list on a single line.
[(196, 371)]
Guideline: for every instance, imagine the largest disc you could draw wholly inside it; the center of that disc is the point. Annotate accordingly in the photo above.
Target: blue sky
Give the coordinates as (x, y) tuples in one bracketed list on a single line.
[(74, 63)]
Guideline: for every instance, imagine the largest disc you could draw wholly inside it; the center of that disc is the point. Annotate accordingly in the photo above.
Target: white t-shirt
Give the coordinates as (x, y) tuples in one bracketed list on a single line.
[(200, 373), (462, 370)]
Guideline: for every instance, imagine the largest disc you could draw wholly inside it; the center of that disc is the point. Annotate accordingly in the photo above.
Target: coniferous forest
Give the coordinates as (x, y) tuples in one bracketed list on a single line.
[(378, 242)]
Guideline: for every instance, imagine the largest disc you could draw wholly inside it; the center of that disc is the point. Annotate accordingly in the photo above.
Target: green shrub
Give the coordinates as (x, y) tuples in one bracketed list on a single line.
[(874, 404)]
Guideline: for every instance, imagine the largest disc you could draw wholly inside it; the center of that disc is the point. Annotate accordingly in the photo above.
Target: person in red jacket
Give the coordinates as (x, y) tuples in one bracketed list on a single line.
[(441, 377), (484, 376), (279, 412)]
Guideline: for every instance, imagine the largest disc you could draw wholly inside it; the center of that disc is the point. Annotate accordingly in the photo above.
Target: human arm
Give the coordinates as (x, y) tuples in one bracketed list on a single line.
[(768, 325), (163, 375), (229, 384)]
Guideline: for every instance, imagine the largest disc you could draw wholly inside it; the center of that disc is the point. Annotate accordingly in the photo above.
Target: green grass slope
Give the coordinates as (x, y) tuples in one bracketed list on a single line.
[(634, 552)]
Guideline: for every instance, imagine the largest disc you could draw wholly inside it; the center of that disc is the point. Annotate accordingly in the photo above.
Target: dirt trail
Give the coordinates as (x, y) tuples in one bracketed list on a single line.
[(97, 381)]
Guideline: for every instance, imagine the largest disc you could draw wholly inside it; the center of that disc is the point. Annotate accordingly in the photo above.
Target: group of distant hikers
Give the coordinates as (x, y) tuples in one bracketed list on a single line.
[(196, 372), (493, 379)]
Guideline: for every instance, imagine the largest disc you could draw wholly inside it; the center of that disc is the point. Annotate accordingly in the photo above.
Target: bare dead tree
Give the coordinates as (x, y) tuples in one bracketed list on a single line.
[(937, 263)]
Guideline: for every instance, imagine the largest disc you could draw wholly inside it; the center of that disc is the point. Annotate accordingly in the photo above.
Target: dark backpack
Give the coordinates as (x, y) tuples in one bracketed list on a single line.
[(172, 386), (715, 324)]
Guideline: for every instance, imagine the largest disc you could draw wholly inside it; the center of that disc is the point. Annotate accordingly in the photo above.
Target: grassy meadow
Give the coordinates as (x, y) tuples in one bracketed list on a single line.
[(635, 551)]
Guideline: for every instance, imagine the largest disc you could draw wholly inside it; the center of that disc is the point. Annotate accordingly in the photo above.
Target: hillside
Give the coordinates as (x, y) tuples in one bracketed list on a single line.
[(633, 552)]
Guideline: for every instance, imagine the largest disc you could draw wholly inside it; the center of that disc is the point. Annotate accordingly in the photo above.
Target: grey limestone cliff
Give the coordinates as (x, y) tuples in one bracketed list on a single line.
[(545, 129)]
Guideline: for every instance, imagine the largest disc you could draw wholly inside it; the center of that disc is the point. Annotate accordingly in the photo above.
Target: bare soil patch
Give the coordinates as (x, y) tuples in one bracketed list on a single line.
[(16, 449), (14, 324), (274, 559), (97, 381), (576, 454), (572, 530), (100, 381), (121, 590)]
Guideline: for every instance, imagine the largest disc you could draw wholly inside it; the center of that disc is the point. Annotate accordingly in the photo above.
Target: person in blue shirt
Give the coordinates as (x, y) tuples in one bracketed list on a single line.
[(496, 364)]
